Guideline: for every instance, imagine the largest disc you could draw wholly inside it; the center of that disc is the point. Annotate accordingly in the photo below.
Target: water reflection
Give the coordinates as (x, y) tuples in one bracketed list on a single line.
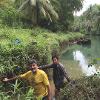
[(78, 56)]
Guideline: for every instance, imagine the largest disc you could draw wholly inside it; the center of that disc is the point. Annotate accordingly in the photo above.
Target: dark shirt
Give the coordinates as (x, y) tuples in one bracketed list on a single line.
[(59, 72)]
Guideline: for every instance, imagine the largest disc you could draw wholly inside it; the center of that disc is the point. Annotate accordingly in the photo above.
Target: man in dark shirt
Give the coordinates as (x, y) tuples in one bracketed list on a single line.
[(59, 73)]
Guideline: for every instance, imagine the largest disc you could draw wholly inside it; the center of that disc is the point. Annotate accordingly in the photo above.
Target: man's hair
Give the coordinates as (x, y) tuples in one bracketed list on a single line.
[(32, 62), (55, 56)]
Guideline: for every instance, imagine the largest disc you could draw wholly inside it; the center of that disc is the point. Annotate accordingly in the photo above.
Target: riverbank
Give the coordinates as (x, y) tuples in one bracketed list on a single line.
[(21, 44), (83, 88)]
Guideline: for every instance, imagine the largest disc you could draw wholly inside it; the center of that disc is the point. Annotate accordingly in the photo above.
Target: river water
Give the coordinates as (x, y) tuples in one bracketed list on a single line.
[(83, 59)]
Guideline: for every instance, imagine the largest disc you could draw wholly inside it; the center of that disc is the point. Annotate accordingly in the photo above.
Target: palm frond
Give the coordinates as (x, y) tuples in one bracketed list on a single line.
[(31, 8), (42, 11), (33, 2), (24, 4), (49, 8), (49, 16)]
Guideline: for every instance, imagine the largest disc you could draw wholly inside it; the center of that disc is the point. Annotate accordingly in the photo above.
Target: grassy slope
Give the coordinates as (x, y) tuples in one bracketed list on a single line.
[(17, 44), (26, 36)]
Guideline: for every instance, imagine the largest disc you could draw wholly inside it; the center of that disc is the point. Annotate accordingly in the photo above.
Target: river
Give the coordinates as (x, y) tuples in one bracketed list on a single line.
[(82, 60)]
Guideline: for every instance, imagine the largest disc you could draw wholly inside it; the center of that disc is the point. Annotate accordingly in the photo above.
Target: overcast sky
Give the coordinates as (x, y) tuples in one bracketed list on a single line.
[(86, 5)]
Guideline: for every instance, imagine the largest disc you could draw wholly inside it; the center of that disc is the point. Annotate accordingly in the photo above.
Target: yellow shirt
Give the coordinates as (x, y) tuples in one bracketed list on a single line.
[(38, 81)]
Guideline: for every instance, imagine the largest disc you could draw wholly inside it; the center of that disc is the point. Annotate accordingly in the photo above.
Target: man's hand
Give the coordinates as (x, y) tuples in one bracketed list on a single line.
[(10, 79), (5, 80), (73, 83)]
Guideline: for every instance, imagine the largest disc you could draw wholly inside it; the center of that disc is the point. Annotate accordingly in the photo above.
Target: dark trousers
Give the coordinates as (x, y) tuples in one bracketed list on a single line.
[(45, 98), (59, 84)]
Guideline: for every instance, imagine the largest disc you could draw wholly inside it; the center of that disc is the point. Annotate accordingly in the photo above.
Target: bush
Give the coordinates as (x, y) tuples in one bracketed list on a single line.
[(83, 89), (10, 16)]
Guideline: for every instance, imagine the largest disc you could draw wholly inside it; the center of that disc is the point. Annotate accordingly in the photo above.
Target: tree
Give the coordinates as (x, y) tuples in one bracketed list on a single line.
[(89, 20), (36, 9), (65, 10)]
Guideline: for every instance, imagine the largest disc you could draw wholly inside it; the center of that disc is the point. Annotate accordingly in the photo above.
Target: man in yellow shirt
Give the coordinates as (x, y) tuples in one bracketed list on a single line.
[(37, 79)]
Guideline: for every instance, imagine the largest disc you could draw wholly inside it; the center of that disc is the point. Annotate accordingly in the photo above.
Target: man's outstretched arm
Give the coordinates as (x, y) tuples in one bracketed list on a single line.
[(65, 73), (10, 79), (22, 76), (46, 66)]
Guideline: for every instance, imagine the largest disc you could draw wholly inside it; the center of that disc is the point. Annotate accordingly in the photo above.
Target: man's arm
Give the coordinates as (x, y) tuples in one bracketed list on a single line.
[(49, 92), (47, 84), (10, 79), (23, 76), (46, 66), (65, 73)]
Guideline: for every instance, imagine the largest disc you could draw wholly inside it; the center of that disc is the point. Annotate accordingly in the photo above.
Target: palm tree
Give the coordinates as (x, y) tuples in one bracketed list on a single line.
[(35, 9)]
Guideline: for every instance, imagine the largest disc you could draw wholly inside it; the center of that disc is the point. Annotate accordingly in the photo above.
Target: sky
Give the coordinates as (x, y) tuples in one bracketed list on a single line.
[(86, 5)]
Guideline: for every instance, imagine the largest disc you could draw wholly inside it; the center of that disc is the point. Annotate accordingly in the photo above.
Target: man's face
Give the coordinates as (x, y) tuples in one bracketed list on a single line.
[(33, 67), (55, 60)]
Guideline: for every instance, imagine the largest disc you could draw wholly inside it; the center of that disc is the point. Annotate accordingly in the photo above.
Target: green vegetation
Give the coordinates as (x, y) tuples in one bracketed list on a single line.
[(19, 45), (86, 88), (89, 22), (56, 15), (22, 38), (33, 9)]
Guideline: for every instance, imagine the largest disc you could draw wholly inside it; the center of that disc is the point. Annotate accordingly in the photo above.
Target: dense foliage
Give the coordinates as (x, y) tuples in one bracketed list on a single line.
[(86, 88), (20, 41), (17, 46), (65, 10), (52, 14), (89, 22)]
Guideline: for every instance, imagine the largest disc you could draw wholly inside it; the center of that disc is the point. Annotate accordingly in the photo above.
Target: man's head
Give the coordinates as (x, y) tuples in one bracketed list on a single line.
[(55, 59), (33, 65)]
